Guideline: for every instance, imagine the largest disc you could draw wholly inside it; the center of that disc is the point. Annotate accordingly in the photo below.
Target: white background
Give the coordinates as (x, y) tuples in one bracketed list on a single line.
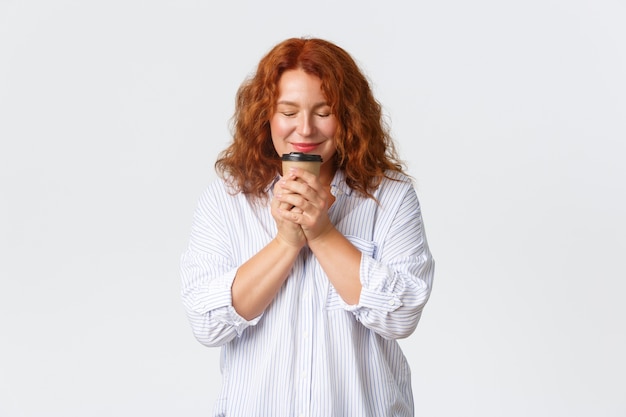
[(511, 116)]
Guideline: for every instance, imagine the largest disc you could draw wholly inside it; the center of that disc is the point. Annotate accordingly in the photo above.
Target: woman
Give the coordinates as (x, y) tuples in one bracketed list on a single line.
[(307, 281)]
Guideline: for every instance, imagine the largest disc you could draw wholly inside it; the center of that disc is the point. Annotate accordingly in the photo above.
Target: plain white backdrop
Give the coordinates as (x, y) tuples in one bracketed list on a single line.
[(511, 116)]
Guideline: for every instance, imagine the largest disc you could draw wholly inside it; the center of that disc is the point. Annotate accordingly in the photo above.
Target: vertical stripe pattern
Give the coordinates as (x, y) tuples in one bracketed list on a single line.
[(309, 353)]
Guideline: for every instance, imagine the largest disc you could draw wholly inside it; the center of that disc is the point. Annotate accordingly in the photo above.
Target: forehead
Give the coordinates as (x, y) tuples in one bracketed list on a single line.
[(298, 82)]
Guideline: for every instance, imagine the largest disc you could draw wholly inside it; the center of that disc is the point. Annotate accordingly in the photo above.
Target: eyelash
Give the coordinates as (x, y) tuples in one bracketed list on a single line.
[(287, 114)]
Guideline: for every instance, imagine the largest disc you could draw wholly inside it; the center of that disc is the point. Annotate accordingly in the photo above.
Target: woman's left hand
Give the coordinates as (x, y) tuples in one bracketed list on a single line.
[(310, 201)]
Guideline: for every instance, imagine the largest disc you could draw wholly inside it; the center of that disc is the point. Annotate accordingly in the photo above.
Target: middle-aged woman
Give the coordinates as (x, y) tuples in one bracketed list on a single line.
[(307, 281)]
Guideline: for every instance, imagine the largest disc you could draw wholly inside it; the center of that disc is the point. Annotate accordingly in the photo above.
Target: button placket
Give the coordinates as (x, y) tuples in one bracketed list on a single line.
[(305, 362)]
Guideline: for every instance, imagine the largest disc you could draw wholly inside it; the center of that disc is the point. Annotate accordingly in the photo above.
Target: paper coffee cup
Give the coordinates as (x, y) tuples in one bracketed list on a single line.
[(305, 161)]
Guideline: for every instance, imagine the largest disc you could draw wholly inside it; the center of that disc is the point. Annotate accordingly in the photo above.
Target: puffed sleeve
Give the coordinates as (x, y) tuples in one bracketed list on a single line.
[(397, 271), (207, 272)]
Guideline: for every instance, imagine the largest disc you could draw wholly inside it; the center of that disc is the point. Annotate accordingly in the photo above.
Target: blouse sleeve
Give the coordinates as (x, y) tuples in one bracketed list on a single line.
[(397, 275), (207, 273)]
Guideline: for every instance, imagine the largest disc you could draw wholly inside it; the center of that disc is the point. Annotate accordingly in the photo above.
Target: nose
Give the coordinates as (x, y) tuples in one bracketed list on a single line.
[(305, 125)]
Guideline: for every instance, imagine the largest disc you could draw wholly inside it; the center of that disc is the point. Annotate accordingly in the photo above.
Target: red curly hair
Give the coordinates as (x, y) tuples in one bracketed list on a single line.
[(365, 150)]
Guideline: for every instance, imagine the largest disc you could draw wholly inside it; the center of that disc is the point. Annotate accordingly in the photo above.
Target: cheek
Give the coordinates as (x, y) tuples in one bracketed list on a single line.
[(330, 128), (279, 127)]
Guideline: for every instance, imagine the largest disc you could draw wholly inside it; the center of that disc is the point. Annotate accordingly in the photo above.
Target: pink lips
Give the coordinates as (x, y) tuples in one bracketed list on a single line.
[(304, 147)]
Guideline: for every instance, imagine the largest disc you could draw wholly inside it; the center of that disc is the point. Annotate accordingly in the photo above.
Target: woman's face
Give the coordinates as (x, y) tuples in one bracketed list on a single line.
[(303, 121)]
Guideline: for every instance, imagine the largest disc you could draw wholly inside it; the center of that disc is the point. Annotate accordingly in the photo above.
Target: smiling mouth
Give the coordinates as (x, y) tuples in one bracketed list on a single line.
[(304, 147)]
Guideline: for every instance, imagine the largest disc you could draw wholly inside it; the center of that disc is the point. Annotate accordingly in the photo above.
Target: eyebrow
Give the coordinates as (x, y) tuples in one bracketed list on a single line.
[(291, 103)]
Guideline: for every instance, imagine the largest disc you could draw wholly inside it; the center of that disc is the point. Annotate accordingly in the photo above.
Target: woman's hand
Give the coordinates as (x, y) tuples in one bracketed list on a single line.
[(309, 201), (289, 231)]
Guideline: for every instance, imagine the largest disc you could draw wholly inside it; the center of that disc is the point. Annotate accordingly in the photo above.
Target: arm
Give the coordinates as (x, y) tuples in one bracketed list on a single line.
[(338, 257), (207, 268), (221, 297), (385, 282), (341, 261), (397, 278), (258, 280)]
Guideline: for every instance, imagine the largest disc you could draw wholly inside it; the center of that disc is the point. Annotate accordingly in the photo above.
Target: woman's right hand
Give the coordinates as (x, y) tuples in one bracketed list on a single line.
[(288, 231)]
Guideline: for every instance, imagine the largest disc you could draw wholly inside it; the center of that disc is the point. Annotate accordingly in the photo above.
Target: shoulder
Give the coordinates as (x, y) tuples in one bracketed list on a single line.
[(217, 188), (397, 177), (217, 193), (392, 181), (396, 191), (395, 182), (223, 194)]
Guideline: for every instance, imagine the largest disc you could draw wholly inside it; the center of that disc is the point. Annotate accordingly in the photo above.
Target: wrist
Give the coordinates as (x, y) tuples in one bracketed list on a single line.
[(287, 245), (322, 238)]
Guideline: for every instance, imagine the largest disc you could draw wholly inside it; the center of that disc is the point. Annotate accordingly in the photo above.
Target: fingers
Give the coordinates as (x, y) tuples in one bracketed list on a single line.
[(312, 225), (301, 201), (302, 177), (287, 230), (278, 192), (302, 189)]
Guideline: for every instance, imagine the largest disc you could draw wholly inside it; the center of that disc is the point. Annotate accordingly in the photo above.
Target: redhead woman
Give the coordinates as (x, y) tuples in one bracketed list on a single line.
[(307, 281)]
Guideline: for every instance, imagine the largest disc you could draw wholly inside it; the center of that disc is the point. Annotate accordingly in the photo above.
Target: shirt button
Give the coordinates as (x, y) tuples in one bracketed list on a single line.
[(392, 302)]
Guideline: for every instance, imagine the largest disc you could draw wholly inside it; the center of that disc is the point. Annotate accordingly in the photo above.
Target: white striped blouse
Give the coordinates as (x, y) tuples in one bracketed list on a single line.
[(309, 353)]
